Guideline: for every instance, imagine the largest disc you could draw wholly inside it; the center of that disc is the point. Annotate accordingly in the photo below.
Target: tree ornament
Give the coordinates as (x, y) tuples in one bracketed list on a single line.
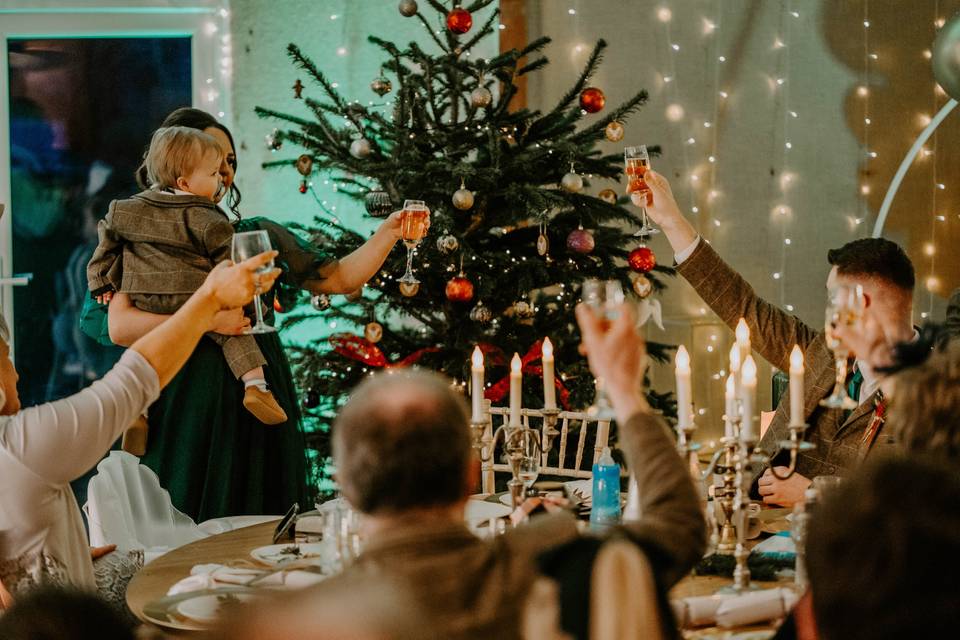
[(377, 203), (459, 289), (581, 241), (608, 195), (409, 289), (463, 197), (459, 21), (408, 8), (572, 181), (481, 314), (642, 286), (381, 85), (303, 186), (305, 165), (297, 89), (354, 295), (481, 97), (592, 100), (614, 131), (447, 244), (276, 305), (543, 244), (360, 148), (373, 332), (320, 302), (642, 259), (522, 310), (274, 140)]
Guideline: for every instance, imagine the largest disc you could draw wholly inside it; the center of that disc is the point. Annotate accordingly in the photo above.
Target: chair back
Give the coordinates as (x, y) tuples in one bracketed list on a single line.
[(565, 457)]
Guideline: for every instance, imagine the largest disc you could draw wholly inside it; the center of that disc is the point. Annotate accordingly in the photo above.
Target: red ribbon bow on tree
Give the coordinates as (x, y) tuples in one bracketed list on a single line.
[(362, 350), (499, 390)]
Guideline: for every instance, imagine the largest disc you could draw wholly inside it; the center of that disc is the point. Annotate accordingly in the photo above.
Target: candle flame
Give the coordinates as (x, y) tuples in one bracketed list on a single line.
[(743, 332), (731, 386), (735, 359), (547, 349), (516, 364), (683, 360), (477, 358), (749, 371), (796, 359)]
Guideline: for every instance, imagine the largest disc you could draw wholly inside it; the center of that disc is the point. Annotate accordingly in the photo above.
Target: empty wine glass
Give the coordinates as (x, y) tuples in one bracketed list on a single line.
[(845, 308), (530, 462), (413, 226), (637, 163), (604, 296), (247, 245)]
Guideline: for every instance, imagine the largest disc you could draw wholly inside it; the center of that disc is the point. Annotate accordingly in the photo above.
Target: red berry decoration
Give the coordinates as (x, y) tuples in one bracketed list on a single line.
[(459, 289), (592, 100), (277, 306), (459, 21), (581, 241), (642, 260)]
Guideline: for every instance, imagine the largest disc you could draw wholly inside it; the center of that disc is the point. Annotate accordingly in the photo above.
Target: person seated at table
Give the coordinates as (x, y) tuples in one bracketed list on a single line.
[(883, 553), (401, 447), (43, 448), (57, 613), (887, 276)]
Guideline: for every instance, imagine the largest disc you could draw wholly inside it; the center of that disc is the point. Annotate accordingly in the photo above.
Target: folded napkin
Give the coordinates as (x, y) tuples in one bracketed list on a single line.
[(296, 579), (214, 576), (697, 611), (756, 606)]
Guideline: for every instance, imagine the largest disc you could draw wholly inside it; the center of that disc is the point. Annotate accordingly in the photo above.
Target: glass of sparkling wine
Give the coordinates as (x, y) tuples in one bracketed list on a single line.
[(604, 297), (413, 226), (637, 163), (247, 245), (845, 308)]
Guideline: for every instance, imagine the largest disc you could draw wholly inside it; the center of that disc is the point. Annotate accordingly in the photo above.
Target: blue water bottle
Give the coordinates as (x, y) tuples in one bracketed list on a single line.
[(606, 492)]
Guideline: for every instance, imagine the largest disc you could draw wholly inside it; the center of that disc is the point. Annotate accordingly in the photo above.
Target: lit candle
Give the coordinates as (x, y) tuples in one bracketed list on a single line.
[(516, 390), (731, 407), (476, 379), (549, 386), (748, 398), (796, 386), (684, 405), (735, 362), (743, 339)]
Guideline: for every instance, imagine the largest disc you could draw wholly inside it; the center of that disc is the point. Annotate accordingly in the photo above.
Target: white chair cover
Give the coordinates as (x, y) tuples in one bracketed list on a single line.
[(126, 506)]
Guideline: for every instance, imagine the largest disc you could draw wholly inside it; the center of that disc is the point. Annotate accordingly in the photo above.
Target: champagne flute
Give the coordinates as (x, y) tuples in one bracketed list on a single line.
[(604, 296), (637, 163), (530, 462), (413, 226), (247, 245), (845, 307)]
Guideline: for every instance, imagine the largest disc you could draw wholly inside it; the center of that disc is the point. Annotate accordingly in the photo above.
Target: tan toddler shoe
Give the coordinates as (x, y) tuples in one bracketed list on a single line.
[(263, 405)]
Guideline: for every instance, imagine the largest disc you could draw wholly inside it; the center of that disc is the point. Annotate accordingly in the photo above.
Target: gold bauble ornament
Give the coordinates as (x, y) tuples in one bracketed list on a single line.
[(543, 244), (409, 289), (642, 286), (614, 131), (463, 197), (360, 148), (608, 195), (373, 332), (481, 97), (572, 182)]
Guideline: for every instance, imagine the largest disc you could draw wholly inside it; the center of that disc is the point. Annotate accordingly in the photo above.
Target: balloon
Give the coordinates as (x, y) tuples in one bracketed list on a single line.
[(946, 58)]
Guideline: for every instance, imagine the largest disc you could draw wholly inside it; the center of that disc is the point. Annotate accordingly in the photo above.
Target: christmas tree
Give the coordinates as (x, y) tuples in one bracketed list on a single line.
[(513, 233)]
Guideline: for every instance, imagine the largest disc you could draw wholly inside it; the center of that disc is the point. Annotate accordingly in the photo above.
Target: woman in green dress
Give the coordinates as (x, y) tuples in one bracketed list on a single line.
[(212, 455)]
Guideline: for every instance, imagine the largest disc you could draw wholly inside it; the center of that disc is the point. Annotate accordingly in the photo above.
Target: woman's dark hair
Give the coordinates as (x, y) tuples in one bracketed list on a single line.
[(197, 119)]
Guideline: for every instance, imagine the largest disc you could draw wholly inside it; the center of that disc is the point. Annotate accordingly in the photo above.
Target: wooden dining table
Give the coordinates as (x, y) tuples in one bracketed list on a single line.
[(155, 579)]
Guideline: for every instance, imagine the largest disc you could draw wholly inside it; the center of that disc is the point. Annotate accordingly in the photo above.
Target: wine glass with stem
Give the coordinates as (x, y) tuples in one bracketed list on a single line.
[(530, 462), (248, 244), (604, 297), (845, 307), (637, 162), (413, 226)]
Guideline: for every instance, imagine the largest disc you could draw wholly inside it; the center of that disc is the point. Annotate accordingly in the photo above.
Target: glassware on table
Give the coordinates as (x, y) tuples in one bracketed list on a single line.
[(247, 245), (637, 163), (529, 467), (605, 297), (844, 308), (413, 226)]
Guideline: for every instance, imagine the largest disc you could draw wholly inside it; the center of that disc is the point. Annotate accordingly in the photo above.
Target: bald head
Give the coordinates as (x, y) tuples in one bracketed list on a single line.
[(402, 442)]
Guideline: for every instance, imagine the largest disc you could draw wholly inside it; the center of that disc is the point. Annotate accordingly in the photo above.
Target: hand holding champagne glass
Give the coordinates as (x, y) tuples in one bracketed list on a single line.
[(637, 163), (413, 226), (247, 245), (844, 309), (605, 297)]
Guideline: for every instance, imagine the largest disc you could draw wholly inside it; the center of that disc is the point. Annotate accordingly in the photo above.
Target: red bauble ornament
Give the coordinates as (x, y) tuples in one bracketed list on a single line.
[(459, 289), (592, 99), (277, 306), (581, 241), (642, 260), (459, 21)]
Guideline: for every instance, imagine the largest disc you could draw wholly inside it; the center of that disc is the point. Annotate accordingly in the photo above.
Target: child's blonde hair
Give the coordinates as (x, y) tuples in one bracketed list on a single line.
[(175, 152)]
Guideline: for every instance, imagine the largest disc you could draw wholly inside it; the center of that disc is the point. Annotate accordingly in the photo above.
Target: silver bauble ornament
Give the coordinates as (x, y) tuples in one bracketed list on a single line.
[(481, 97), (381, 86), (360, 148), (373, 332), (522, 309), (614, 131), (462, 198), (946, 57), (572, 182), (377, 203), (447, 244), (408, 8), (320, 302), (642, 286), (409, 289), (481, 314), (273, 140)]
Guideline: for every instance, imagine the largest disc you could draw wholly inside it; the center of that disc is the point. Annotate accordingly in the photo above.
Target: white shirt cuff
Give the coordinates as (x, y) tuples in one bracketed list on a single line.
[(682, 256)]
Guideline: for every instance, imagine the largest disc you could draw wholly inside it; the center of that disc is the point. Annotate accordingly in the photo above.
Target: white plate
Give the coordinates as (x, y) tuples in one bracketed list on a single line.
[(480, 510), (277, 555), (208, 608)]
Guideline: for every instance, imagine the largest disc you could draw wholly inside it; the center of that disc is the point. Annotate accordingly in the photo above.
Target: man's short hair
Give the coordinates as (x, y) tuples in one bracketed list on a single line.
[(874, 258), (176, 152), (402, 441), (883, 553)]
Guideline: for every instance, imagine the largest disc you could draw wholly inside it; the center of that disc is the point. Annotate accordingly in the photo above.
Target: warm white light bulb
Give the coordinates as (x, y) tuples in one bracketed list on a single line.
[(664, 14)]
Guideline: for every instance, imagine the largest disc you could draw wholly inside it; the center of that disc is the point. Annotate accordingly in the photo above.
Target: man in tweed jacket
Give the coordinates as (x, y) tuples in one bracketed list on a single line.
[(841, 438)]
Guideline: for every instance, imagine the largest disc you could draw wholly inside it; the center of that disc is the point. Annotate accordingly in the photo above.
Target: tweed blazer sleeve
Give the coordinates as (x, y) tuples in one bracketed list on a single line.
[(773, 332), (218, 239), (105, 269), (952, 322)]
